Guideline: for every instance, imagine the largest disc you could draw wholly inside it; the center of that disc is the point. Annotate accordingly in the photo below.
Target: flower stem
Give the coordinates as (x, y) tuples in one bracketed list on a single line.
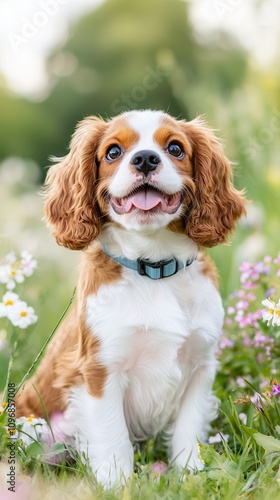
[(10, 365)]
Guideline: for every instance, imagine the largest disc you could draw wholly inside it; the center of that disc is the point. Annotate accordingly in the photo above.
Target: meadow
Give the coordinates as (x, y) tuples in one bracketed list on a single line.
[(242, 457), (102, 65)]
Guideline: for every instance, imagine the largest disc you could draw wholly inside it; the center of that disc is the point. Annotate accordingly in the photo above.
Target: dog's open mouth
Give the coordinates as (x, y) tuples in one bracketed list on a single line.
[(148, 199)]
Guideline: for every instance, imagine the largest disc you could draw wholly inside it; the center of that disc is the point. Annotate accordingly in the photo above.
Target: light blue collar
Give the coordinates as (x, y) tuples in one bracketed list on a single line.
[(154, 270)]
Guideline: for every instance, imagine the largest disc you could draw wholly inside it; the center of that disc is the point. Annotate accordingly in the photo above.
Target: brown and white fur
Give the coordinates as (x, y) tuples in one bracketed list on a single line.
[(136, 356)]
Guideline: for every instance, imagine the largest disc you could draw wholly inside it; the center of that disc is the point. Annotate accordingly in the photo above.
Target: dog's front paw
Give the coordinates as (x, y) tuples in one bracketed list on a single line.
[(115, 471)]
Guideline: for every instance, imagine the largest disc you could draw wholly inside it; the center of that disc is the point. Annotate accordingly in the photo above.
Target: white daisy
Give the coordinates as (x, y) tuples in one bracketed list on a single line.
[(10, 274), (272, 315), (8, 301), (22, 315), (32, 429)]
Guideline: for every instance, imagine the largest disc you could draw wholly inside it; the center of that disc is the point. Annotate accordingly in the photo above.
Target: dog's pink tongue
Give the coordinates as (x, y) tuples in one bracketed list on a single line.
[(145, 200)]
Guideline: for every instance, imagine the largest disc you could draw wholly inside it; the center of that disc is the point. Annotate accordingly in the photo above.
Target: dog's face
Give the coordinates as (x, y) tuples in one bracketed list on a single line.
[(143, 169)]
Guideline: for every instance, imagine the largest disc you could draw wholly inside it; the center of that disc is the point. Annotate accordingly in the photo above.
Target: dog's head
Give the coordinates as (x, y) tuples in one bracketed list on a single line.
[(142, 169)]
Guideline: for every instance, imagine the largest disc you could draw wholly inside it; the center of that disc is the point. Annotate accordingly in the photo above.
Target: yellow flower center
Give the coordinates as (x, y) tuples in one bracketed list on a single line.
[(23, 314), (30, 418), (13, 272), (278, 312), (271, 311), (9, 303)]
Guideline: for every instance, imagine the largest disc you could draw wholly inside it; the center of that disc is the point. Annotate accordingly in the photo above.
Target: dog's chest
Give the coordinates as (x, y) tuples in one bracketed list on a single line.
[(155, 380), (144, 329), (139, 321)]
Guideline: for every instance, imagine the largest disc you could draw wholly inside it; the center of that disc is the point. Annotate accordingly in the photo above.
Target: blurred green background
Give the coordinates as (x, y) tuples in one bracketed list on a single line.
[(61, 62)]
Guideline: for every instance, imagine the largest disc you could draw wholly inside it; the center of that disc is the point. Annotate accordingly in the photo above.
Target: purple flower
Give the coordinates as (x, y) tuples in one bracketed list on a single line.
[(275, 389), (259, 267), (270, 291)]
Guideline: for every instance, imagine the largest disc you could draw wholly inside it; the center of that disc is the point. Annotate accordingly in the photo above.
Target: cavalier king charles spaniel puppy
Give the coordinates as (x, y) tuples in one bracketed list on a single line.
[(141, 195)]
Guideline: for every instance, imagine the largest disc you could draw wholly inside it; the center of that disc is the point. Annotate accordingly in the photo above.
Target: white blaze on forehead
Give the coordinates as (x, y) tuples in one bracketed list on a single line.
[(145, 123)]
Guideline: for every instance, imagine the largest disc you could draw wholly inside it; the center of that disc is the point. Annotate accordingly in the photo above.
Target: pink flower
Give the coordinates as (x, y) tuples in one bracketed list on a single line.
[(260, 358), (261, 340), (230, 310), (242, 304), (159, 468), (58, 426), (256, 399), (245, 266), (228, 321), (255, 276), (225, 342), (268, 352), (258, 314), (249, 285)]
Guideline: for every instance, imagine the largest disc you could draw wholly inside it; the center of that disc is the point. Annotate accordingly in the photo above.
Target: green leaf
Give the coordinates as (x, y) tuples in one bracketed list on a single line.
[(269, 443), (34, 450)]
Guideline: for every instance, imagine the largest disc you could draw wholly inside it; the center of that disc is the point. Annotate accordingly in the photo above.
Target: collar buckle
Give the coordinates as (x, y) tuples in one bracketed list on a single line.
[(143, 264)]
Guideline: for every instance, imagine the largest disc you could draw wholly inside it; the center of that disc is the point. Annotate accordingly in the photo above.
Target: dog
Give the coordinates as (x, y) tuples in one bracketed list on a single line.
[(141, 195)]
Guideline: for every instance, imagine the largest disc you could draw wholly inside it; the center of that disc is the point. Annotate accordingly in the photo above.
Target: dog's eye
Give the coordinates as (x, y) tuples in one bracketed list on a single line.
[(175, 149), (113, 152)]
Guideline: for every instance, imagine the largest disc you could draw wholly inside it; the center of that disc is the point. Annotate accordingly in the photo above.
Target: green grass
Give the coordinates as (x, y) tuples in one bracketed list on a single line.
[(245, 463)]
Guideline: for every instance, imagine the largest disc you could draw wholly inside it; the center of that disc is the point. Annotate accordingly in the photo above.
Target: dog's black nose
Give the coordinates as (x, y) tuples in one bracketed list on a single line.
[(145, 161)]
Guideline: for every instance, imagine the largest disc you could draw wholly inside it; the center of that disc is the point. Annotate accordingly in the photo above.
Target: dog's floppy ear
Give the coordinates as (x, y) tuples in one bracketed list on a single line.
[(71, 208), (216, 204)]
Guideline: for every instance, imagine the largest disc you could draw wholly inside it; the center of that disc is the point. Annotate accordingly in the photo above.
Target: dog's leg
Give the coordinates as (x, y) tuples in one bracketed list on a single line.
[(198, 409), (101, 431)]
